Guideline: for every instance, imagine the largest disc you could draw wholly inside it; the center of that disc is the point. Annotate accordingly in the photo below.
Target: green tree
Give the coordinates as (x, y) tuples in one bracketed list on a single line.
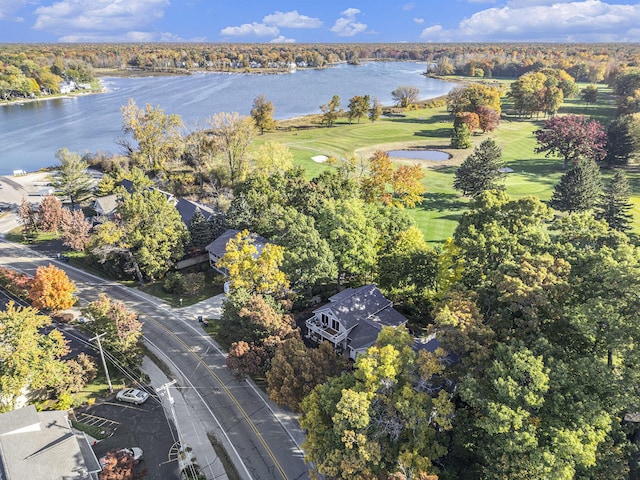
[(623, 141), (589, 94), (579, 189), (158, 140), (460, 136), (358, 107), (330, 111), (481, 170), (148, 232), (31, 359), (262, 113), (200, 231), (307, 258), (123, 330), (405, 96), (351, 236), (527, 93), (72, 179), (614, 204)]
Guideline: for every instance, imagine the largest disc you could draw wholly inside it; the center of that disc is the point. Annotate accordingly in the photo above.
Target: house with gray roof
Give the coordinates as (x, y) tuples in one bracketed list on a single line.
[(218, 247), (42, 446), (105, 207), (352, 319), (187, 209)]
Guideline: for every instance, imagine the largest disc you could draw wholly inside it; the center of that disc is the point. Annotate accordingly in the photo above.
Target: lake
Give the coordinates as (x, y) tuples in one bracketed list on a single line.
[(31, 133)]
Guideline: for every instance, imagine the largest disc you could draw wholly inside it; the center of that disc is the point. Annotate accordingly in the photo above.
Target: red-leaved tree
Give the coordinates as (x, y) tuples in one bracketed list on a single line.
[(572, 137), (50, 214), (76, 229)]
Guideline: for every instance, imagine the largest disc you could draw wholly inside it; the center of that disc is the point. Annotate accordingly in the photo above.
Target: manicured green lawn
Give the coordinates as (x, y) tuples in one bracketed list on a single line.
[(437, 216)]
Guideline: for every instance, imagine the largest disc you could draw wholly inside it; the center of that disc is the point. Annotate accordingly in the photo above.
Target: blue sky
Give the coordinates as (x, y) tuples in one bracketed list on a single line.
[(304, 21)]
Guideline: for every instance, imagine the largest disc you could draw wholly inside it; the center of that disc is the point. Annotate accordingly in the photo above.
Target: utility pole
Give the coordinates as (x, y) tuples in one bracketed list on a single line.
[(104, 362)]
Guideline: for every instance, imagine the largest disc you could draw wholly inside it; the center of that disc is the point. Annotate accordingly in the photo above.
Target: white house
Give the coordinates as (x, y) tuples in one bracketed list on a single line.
[(352, 319)]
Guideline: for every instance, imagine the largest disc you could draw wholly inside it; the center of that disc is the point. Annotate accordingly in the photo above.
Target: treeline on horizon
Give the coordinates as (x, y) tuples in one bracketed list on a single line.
[(33, 69)]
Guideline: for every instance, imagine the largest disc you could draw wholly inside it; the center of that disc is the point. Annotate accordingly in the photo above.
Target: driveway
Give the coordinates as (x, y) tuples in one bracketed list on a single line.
[(144, 426)]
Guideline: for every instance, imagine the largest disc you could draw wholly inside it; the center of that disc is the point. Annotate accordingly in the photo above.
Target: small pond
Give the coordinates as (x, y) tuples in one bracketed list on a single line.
[(434, 155)]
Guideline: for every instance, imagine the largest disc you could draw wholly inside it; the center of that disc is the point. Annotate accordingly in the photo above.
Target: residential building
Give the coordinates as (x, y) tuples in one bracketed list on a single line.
[(218, 247)]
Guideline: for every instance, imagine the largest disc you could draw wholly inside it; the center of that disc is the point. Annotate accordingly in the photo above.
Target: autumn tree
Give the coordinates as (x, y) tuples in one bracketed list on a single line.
[(330, 111), (472, 97), (405, 96), (262, 113), (296, 369), (123, 330), (31, 359), (231, 136), (387, 416), (481, 170), (401, 187), (488, 118), (51, 289), (28, 217), (76, 229), (49, 214), (245, 359), (253, 270), (572, 137), (579, 188), (614, 205), (157, 137), (626, 88), (271, 158), (72, 179), (470, 119), (358, 107), (528, 93)]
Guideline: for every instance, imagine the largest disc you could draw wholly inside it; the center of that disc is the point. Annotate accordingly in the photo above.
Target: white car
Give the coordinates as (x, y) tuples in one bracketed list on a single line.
[(132, 395)]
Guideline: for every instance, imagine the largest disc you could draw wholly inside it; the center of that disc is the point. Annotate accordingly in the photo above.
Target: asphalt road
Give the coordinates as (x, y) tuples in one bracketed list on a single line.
[(261, 445)]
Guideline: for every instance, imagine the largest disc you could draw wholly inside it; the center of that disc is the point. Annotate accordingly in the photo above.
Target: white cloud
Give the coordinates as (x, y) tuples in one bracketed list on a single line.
[(68, 16), (9, 7), (132, 37), (418, 20), (251, 29), (291, 20), (409, 6), (347, 26), (540, 20), (282, 39)]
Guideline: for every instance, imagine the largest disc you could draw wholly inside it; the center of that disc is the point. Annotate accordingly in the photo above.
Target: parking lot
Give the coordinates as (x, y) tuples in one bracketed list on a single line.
[(144, 426)]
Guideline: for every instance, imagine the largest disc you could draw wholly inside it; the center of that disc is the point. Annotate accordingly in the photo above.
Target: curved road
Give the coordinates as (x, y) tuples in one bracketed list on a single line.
[(263, 445)]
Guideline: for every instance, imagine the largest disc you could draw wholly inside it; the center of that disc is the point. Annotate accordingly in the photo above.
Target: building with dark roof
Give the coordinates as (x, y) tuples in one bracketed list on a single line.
[(187, 209), (42, 446), (352, 319), (218, 247)]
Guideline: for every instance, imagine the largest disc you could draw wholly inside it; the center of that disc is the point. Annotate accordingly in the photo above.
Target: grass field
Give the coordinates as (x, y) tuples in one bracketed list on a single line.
[(533, 174)]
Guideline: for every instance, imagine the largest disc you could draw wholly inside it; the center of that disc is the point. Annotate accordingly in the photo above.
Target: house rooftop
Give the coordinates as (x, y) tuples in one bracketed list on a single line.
[(218, 247), (42, 446), (187, 209)]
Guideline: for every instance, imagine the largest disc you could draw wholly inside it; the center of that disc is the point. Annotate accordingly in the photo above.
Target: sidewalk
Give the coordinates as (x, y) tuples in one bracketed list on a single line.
[(210, 308), (192, 431)]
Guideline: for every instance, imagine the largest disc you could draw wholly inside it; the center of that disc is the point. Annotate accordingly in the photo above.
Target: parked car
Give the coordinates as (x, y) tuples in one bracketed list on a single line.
[(132, 395)]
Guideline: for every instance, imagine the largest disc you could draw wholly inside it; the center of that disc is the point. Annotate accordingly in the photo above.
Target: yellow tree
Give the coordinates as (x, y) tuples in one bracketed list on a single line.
[(51, 289), (253, 270), (272, 157)]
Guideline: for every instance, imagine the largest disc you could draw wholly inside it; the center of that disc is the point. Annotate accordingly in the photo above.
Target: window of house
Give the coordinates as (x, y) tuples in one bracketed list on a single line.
[(325, 319), (335, 324)]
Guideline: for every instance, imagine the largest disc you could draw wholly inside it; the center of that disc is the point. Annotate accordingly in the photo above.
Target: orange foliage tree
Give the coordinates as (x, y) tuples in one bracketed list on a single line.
[(51, 289)]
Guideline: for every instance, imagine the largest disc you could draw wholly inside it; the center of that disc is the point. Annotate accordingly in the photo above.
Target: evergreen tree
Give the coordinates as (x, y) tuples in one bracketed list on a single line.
[(200, 231), (460, 136), (614, 203), (72, 179), (623, 140), (481, 170), (579, 188)]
